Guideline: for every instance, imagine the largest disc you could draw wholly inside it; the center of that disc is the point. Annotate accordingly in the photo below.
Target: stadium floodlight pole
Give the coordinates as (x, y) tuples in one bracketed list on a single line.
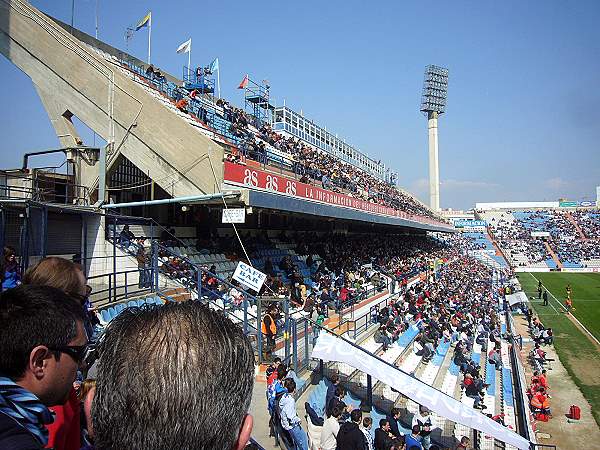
[(433, 103)]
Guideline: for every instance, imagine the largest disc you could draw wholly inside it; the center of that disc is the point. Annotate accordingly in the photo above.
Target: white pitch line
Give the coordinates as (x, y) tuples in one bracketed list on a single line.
[(574, 318), (556, 313)]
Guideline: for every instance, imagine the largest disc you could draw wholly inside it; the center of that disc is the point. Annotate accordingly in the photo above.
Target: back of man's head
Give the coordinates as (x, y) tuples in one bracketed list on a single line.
[(289, 384), (356, 415), (337, 411), (282, 371), (335, 378), (176, 376), (33, 317)]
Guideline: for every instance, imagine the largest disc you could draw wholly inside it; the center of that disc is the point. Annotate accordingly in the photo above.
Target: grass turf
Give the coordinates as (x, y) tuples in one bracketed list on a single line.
[(577, 353)]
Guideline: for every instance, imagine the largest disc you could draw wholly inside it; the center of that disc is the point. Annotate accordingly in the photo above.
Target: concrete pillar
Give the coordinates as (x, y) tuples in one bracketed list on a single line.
[(60, 118), (434, 169)]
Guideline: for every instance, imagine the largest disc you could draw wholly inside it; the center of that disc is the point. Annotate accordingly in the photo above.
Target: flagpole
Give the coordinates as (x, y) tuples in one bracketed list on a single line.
[(189, 58), (219, 79), (149, 36)]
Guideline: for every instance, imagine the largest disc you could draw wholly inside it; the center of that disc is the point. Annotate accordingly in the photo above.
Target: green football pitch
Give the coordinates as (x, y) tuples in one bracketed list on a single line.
[(585, 293), (576, 349)]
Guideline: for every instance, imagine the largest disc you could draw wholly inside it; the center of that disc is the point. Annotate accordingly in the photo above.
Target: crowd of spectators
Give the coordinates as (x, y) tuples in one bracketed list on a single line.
[(455, 306), (346, 267), (308, 162), (565, 239), (538, 391), (589, 222), (515, 240), (313, 164)]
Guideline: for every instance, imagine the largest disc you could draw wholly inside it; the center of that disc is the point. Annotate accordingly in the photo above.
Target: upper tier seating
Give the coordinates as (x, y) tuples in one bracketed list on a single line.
[(225, 123)]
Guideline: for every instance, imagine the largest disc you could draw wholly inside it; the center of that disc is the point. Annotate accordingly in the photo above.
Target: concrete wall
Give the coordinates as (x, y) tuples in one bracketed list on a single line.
[(70, 77)]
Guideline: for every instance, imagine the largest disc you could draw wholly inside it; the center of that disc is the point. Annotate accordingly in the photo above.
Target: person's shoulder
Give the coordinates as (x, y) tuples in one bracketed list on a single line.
[(14, 437)]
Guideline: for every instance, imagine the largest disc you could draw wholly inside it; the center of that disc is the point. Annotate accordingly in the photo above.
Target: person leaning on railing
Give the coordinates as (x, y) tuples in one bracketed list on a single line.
[(9, 269)]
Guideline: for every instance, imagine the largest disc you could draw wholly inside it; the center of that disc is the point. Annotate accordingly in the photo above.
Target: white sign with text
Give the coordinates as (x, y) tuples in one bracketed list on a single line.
[(234, 215), (249, 276)]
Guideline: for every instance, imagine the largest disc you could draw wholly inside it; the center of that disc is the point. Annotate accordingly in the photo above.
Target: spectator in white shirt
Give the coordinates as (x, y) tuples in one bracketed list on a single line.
[(330, 429)]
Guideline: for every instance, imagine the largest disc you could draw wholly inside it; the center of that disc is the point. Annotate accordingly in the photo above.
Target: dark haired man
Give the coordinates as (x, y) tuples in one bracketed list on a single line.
[(383, 435), (188, 370), (42, 344), (392, 418), (350, 437), (413, 439), (335, 381)]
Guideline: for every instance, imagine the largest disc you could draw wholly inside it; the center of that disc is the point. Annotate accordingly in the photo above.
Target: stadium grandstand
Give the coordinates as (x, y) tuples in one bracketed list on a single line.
[(546, 237), (356, 298)]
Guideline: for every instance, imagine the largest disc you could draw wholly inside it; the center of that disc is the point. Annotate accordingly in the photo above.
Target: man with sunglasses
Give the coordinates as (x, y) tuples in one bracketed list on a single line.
[(42, 344)]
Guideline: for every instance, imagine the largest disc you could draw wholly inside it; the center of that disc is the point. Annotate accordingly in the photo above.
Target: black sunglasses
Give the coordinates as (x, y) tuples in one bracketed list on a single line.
[(83, 298), (77, 352)]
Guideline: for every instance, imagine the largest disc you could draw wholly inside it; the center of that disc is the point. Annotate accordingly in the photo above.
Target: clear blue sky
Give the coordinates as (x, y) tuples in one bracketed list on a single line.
[(522, 122)]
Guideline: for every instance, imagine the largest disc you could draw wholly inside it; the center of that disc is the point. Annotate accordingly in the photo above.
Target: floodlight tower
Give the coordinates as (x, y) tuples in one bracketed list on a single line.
[(433, 103)]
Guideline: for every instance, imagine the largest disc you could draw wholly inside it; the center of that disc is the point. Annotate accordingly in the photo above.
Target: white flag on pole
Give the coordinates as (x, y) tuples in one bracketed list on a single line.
[(185, 47)]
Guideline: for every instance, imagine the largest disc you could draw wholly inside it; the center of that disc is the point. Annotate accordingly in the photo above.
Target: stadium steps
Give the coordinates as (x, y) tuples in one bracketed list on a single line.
[(459, 430), (554, 256), (570, 218), (428, 373), (397, 354)]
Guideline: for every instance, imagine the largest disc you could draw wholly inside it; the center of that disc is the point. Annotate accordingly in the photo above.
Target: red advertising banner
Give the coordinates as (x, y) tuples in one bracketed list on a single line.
[(253, 178)]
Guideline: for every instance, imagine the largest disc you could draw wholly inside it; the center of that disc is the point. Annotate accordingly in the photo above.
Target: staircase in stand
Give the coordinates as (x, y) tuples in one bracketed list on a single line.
[(576, 225), (554, 256), (499, 251)]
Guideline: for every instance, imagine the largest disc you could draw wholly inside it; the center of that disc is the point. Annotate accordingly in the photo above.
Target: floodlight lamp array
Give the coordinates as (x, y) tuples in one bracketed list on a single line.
[(435, 90)]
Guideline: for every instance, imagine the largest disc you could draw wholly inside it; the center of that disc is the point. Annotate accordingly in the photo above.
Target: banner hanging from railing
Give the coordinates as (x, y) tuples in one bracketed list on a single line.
[(333, 348)]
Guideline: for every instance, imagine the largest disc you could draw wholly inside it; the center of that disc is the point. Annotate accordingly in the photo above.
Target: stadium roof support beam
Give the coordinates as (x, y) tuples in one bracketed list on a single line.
[(190, 199), (73, 80)]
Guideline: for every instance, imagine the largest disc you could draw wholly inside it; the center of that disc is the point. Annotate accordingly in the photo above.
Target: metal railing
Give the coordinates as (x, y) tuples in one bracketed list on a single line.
[(113, 287), (45, 189)]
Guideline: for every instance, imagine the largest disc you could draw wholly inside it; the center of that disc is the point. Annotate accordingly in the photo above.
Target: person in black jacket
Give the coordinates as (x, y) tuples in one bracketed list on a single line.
[(392, 419), (384, 438), (336, 400), (350, 437), (335, 381)]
